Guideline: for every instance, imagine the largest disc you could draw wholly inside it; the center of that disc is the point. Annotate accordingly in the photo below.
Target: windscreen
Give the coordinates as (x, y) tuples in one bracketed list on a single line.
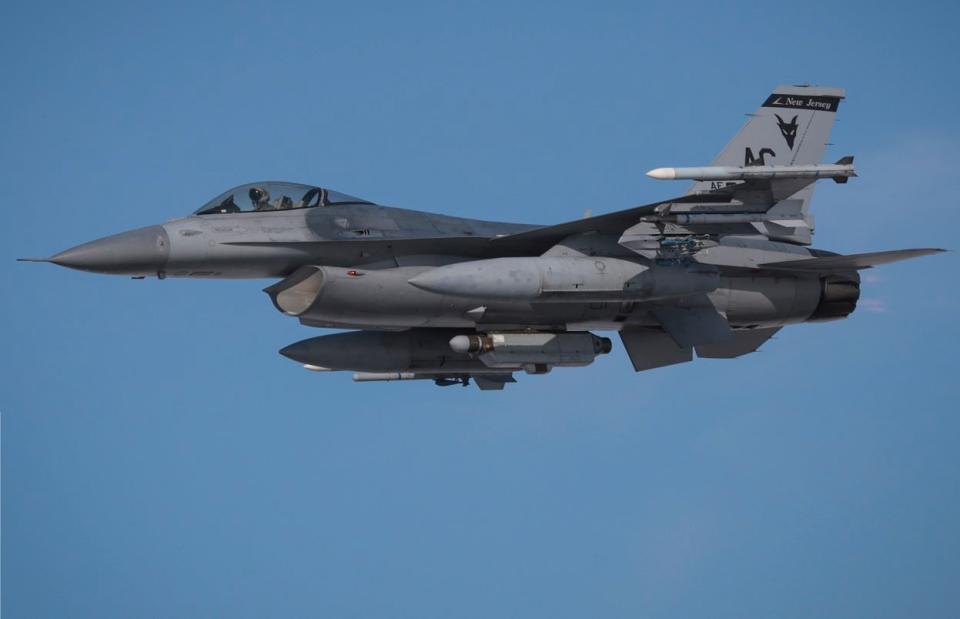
[(272, 196)]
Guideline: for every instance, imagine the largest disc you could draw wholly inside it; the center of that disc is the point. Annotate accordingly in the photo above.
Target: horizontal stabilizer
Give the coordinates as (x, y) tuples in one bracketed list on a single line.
[(690, 326), (743, 343), (852, 262), (652, 348)]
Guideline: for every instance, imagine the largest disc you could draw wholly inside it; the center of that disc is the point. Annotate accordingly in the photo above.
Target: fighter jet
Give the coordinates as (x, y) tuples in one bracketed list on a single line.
[(716, 271)]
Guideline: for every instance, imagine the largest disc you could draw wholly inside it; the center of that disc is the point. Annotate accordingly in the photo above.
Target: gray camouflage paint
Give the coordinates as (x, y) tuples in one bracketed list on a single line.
[(717, 271)]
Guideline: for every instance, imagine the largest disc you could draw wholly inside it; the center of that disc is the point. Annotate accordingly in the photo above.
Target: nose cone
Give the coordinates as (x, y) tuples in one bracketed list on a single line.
[(299, 351), (138, 252)]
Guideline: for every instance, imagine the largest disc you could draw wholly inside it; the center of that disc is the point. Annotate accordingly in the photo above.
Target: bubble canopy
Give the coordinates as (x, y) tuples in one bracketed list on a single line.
[(273, 196)]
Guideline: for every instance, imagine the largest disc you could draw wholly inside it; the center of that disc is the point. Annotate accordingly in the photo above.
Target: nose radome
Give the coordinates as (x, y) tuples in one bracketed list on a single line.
[(138, 252)]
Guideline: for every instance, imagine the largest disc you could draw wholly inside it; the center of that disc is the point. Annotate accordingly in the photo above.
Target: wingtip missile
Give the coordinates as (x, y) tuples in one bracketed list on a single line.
[(663, 174), (835, 171)]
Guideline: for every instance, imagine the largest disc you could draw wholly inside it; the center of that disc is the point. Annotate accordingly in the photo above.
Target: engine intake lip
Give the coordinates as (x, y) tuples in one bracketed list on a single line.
[(298, 292)]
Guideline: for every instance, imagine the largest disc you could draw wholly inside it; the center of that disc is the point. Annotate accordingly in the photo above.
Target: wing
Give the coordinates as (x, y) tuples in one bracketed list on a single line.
[(764, 207), (541, 239)]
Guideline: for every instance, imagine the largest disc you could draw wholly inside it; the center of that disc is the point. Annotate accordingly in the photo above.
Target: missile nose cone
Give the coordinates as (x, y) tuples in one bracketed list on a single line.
[(663, 174), (138, 252)]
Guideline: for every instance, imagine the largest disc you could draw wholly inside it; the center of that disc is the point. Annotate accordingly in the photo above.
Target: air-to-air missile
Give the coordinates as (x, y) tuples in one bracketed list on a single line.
[(839, 172), (716, 271)]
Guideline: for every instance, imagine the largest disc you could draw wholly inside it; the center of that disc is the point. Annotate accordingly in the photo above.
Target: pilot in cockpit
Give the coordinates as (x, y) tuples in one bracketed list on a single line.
[(260, 199), (267, 196)]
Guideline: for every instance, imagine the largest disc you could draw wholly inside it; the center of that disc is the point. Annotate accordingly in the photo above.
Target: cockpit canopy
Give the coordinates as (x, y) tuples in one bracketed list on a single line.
[(273, 196)]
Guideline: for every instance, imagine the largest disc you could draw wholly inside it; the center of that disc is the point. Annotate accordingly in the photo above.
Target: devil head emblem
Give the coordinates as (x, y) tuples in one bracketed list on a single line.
[(788, 129)]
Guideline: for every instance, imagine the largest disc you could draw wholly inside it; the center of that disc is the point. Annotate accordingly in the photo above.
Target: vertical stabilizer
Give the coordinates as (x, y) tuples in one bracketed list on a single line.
[(791, 127)]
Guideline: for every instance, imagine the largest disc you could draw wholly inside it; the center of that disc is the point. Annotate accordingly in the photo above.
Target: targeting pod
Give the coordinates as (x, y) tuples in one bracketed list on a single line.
[(532, 350)]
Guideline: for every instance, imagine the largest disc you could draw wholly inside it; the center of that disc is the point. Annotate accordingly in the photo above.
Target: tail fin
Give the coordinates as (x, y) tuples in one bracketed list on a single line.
[(792, 127)]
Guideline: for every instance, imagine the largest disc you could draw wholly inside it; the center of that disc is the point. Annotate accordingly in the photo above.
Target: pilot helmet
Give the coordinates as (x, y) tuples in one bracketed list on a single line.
[(258, 195)]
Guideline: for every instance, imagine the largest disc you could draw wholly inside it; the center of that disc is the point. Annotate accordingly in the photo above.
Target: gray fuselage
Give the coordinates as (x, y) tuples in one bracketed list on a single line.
[(365, 255)]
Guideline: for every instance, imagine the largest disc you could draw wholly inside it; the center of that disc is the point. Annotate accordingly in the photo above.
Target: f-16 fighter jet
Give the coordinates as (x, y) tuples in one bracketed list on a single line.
[(718, 270)]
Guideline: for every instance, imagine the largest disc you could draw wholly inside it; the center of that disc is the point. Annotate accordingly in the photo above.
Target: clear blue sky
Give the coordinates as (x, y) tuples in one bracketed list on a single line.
[(160, 459)]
